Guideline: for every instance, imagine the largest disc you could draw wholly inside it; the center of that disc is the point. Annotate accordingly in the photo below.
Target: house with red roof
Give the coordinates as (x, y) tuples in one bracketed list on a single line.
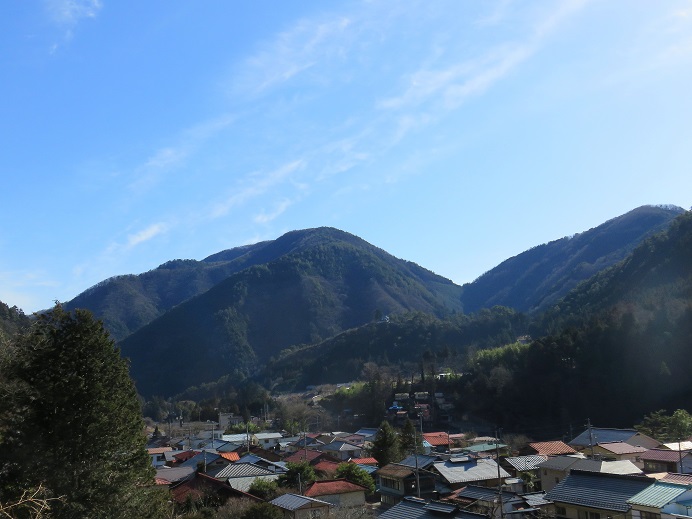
[(666, 460), (339, 492), (551, 448)]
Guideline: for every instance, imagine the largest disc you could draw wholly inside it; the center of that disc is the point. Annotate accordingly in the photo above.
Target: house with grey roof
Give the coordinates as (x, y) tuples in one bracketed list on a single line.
[(458, 471), (415, 508), (597, 435), (526, 468), (556, 469), (395, 481), (266, 440), (342, 450), (594, 495), (660, 499), (295, 506), (241, 475)]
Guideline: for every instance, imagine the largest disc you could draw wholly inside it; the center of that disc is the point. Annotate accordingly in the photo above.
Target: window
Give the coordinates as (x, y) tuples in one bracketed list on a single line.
[(583, 514), (649, 515), (390, 483), (560, 511)]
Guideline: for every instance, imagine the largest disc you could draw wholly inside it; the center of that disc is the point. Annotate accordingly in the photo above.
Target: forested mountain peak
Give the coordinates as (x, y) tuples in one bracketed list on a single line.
[(535, 279)]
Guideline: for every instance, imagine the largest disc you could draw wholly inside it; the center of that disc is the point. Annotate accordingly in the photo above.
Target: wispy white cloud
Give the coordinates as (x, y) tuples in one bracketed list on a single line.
[(455, 83), (256, 184), (293, 52), (266, 217), (170, 158), (145, 234), (67, 14)]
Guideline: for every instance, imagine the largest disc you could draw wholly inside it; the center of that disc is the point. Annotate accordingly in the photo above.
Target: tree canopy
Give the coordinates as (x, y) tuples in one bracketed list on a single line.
[(70, 422)]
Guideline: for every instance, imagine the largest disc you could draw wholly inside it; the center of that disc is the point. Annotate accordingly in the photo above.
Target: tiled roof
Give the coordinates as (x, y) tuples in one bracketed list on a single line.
[(472, 470), (658, 495), (526, 463), (293, 502), (662, 455), (553, 448), (363, 461), (340, 446), (437, 439), (230, 456), (159, 450), (331, 487), (621, 447), (678, 478), (303, 455), (604, 491)]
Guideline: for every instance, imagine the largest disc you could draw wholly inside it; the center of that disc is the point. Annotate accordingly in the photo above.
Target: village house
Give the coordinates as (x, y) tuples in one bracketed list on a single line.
[(415, 508), (596, 435), (550, 448), (459, 471), (339, 492), (555, 469), (662, 499), (266, 440), (618, 451), (593, 495), (666, 460), (295, 506), (395, 481)]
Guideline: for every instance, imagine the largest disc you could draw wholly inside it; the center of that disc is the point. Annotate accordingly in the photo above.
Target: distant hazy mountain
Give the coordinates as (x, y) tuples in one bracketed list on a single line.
[(537, 278), (301, 288)]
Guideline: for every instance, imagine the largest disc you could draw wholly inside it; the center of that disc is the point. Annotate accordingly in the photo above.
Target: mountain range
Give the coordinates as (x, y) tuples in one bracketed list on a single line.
[(190, 322)]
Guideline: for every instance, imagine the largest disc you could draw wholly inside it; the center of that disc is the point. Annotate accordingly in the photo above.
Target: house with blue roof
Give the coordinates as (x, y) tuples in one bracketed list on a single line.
[(662, 498), (594, 495)]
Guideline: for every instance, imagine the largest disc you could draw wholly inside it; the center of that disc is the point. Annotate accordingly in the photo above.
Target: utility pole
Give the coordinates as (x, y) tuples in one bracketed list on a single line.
[(588, 424), (415, 450), (499, 475)]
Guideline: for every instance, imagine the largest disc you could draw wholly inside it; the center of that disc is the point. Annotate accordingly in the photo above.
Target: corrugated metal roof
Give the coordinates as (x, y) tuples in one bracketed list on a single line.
[(658, 495), (244, 484), (524, 463), (602, 435), (595, 490), (295, 501), (472, 470), (237, 470)]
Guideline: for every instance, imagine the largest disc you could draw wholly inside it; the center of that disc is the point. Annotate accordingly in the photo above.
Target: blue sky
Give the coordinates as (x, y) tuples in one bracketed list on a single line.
[(452, 133)]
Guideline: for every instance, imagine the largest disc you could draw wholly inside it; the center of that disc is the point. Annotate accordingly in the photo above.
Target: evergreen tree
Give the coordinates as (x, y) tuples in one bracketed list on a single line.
[(72, 422), (385, 447), (356, 474), (409, 440)]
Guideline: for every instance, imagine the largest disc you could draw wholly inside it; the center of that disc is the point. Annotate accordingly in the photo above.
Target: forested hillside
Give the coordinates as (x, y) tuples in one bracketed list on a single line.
[(534, 280), (619, 347), (326, 281)]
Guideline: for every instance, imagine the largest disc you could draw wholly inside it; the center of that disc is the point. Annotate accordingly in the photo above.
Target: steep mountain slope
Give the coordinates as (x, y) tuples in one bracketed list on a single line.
[(321, 282), (619, 346), (533, 280)]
